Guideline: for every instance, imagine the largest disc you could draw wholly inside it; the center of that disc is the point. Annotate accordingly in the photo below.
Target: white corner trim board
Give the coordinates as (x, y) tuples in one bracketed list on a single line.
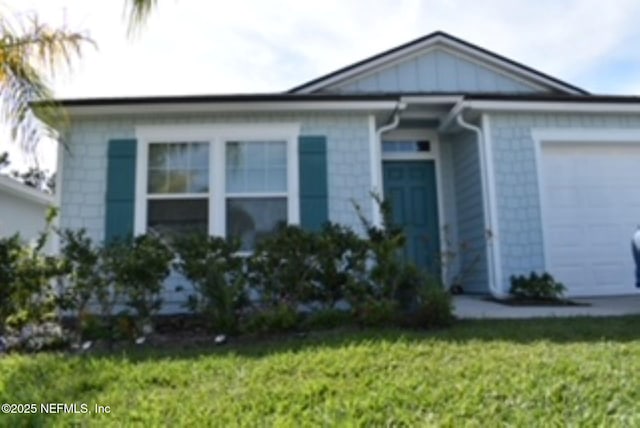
[(494, 222), (375, 164)]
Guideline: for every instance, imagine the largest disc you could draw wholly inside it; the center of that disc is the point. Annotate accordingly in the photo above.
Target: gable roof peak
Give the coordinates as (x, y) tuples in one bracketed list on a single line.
[(429, 41)]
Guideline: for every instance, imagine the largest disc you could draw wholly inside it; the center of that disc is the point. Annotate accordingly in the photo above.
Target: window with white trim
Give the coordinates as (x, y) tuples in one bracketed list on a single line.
[(178, 187), (256, 189), (238, 182)]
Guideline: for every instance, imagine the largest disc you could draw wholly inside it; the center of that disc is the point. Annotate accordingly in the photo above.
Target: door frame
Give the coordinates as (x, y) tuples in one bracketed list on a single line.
[(433, 155)]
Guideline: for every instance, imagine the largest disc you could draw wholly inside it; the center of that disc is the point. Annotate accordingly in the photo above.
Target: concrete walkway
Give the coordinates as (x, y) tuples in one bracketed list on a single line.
[(474, 307)]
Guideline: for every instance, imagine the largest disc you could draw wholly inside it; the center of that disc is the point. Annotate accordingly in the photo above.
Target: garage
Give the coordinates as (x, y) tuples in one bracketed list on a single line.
[(590, 203)]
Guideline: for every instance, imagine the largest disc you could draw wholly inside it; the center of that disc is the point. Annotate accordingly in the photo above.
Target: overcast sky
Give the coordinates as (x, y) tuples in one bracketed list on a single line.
[(206, 46)]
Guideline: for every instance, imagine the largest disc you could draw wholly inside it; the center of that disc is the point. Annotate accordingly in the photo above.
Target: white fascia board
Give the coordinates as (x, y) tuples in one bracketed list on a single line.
[(431, 99), (551, 106), (212, 131), (226, 107), (20, 190)]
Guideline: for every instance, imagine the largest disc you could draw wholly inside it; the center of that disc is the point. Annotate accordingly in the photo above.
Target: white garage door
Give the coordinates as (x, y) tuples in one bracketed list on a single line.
[(591, 207)]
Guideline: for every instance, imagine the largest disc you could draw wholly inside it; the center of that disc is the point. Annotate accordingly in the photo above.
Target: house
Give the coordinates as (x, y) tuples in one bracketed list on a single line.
[(22, 210), (521, 170)]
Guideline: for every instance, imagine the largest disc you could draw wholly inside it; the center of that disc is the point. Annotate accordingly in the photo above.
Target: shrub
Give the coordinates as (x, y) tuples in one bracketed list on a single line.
[(377, 312), (283, 266), (217, 275), (11, 252), (340, 256), (137, 268), (385, 242), (434, 308), (274, 319), (538, 287), (27, 295), (86, 279), (326, 318)]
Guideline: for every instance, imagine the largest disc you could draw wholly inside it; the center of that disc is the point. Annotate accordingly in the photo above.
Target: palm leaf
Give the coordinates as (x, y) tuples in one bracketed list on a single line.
[(138, 12), (30, 54)]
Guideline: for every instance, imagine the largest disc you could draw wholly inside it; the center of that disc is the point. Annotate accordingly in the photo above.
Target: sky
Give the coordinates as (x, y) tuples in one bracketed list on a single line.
[(206, 46)]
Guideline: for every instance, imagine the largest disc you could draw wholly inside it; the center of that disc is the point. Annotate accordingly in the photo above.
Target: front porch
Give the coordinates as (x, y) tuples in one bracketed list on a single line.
[(432, 173)]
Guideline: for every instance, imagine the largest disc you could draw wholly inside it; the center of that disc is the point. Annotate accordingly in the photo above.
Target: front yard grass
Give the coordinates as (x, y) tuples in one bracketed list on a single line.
[(552, 372)]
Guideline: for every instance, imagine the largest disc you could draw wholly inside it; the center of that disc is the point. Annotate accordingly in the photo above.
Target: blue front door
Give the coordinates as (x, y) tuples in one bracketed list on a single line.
[(410, 187)]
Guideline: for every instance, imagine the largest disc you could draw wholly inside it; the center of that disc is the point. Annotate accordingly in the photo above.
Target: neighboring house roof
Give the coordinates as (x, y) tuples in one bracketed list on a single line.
[(14, 187), (430, 41)]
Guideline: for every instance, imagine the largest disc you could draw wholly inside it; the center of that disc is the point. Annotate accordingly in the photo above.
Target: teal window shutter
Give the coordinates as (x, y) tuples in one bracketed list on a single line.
[(314, 206), (120, 195)]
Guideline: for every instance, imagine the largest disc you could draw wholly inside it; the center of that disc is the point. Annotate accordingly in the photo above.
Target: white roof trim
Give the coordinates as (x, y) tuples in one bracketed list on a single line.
[(286, 106), (512, 70), (553, 106), (20, 190)]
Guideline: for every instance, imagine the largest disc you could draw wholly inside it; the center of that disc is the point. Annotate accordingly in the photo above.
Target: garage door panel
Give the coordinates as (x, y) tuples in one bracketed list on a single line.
[(591, 206)]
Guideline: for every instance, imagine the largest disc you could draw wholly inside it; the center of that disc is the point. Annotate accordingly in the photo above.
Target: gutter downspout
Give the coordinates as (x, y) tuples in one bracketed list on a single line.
[(495, 289)]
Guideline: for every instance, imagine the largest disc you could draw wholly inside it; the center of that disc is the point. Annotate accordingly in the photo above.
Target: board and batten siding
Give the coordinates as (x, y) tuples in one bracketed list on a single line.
[(437, 70), (471, 237), (84, 174), (516, 182)]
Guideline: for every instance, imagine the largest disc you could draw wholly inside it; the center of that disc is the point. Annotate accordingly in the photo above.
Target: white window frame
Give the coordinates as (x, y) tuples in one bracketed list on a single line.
[(217, 136)]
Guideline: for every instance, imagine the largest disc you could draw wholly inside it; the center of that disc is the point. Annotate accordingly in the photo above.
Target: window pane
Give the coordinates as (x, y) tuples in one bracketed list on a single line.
[(199, 156), (158, 181), (178, 168), (157, 155), (406, 146), (178, 181), (256, 166), (176, 217), (253, 219), (199, 181), (178, 156)]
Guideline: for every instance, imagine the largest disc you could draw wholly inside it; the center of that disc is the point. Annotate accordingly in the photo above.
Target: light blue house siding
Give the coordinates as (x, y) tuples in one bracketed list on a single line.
[(437, 70), (469, 228), (516, 181), (85, 167)]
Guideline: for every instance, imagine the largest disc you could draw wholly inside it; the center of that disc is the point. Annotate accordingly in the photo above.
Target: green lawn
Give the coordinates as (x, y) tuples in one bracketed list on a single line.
[(579, 372)]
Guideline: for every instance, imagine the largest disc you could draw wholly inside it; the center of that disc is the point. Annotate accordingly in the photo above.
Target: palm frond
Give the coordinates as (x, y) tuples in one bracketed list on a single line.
[(28, 57), (138, 12)]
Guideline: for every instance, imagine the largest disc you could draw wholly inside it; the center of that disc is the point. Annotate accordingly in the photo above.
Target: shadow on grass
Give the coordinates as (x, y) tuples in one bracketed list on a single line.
[(555, 330)]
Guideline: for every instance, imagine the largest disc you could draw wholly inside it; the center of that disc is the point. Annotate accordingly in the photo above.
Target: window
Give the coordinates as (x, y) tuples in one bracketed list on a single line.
[(256, 189), (406, 146), (238, 181), (177, 187)]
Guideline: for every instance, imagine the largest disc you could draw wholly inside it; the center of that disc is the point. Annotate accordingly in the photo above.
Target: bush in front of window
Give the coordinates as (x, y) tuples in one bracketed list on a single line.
[(280, 318), (216, 271), (282, 268), (137, 268), (340, 264), (86, 281)]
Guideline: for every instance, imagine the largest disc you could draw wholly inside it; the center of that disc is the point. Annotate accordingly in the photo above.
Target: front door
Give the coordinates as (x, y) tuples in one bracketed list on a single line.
[(410, 187)]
